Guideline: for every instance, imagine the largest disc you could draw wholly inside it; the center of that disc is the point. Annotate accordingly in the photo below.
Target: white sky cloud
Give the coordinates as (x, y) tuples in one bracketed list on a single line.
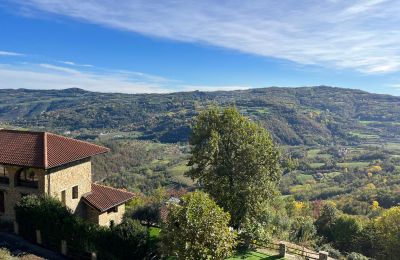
[(9, 53), (48, 76), (362, 34), (71, 63)]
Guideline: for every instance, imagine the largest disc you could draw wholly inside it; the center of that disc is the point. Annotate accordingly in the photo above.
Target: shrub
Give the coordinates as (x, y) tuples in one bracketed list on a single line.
[(124, 241), (149, 214), (264, 223), (356, 256), (303, 231), (197, 229), (44, 213), (129, 240), (332, 251)]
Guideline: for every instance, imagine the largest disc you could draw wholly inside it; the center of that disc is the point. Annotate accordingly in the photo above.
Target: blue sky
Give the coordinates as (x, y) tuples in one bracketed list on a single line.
[(182, 45)]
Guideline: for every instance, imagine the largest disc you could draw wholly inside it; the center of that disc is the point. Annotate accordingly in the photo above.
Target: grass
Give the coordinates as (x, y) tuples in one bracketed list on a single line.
[(154, 234), (364, 135), (313, 153), (179, 169), (393, 146), (353, 164), (316, 165), (303, 178), (333, 174), (252, 255)]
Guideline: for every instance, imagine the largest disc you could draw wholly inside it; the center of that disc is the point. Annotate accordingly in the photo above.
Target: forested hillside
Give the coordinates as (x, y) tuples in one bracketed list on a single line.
[(294, 116), (346, 142)]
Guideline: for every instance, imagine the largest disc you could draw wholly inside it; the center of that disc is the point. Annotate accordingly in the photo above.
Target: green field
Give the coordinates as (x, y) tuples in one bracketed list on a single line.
[(354, 164), (316, 165)]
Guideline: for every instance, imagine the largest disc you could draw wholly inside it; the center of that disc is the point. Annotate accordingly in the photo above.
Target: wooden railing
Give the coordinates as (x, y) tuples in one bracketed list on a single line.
[(288, 249)]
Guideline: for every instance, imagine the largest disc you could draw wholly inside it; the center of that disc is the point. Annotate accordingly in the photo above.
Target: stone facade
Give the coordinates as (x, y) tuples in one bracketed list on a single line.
[(52, 182), (61, 181), (13, 191), (104, 219)]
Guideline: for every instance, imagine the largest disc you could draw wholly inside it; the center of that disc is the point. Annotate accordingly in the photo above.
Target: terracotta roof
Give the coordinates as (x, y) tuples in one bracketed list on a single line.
[(104, 198), (43, 149)]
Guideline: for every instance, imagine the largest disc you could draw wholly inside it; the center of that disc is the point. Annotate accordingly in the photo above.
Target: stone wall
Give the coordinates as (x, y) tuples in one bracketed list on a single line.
[(106, 217), (65, 178), (13, 193)]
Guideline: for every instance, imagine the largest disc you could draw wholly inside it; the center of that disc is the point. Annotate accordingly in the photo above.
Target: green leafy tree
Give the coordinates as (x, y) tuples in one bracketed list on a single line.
[(327, 220), (149, 214), (234, 160), (346, 233), (197, 229), (268, 220), (303, 231), (388, 230)]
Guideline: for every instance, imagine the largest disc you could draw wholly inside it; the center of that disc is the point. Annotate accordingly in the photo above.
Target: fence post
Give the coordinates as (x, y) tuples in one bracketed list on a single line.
[(93, 256), (16, 228), (323, 255), (63, 247), (38, 237), (282, 250)]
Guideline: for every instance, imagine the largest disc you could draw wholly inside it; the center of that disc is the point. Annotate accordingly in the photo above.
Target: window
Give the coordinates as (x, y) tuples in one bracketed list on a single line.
[(4, 179), (75, 192), (27, 177), (63, 197), (113, 209)]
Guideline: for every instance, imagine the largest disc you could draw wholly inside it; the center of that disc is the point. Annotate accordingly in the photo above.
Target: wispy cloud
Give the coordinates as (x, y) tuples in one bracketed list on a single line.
[(71, 63), (49, 76), (59, 68), (9, 53), (361, 34)]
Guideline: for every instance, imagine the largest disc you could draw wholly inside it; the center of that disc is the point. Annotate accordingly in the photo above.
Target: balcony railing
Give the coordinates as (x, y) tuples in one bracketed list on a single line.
[(29, 184)]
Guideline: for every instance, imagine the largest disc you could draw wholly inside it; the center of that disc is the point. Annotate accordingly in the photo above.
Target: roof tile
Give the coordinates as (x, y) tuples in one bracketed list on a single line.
[(104, 198), (43, 149)]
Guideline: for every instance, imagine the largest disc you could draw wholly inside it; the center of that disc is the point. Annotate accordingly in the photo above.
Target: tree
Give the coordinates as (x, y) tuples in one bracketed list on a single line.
[(346, 233), (149, 214), (234, 160), (197, 229), (325, 223), (303, 231), (267, 221), (388, 229)]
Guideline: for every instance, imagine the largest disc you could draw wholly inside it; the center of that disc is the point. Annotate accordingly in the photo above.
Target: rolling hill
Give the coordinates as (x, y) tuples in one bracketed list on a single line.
[(294, 116)]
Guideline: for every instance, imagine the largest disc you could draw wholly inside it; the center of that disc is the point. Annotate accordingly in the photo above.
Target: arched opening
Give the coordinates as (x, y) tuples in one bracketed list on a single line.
[(27, 177), (4, 178)]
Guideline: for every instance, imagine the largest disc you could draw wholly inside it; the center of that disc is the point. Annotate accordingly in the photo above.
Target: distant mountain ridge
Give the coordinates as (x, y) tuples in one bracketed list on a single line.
[(295, 116)]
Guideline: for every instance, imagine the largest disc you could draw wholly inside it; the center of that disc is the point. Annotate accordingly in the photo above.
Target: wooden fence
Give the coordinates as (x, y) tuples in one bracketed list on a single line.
[(286, 249)]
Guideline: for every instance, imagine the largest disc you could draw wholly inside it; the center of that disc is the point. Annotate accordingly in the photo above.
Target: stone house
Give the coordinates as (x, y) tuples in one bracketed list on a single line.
[(44, 163)]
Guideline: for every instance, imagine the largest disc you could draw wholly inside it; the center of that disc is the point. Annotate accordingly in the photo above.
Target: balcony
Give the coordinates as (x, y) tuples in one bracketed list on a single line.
[(4, 180), (28, 184)]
